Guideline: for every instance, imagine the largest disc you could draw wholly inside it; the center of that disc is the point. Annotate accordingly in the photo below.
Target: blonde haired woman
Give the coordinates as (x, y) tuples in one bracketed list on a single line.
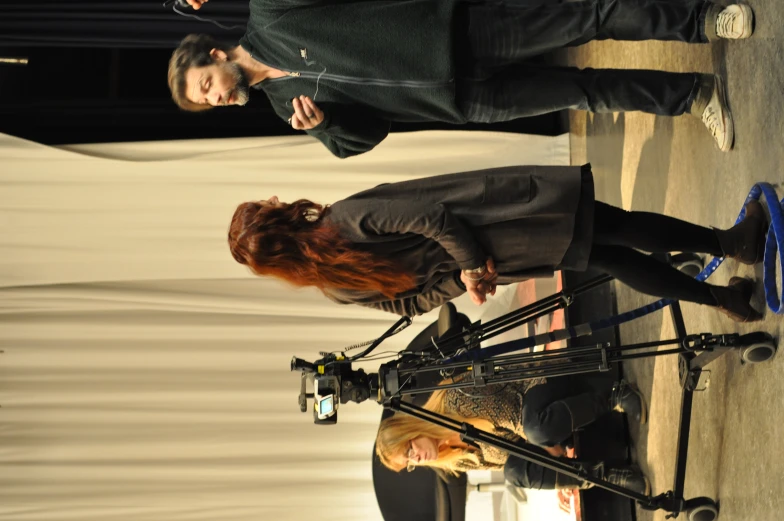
[(549, 410)]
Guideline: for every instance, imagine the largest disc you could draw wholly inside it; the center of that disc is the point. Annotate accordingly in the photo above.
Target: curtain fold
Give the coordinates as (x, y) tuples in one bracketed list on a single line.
[(144, 375), (116, 24)]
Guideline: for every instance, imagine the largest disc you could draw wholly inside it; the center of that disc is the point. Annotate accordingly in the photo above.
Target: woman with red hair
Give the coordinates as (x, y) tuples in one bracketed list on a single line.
[(410, 247)]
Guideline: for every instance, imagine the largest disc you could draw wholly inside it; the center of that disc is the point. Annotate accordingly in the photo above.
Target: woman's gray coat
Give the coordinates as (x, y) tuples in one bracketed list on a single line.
[(531, 220)]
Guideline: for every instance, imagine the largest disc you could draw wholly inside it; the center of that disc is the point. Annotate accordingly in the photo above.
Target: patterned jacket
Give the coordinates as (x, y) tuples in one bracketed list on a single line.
[(502, 405)]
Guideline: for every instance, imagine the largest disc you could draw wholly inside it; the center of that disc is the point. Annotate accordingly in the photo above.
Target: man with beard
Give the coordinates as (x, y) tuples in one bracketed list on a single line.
[(343, 71)]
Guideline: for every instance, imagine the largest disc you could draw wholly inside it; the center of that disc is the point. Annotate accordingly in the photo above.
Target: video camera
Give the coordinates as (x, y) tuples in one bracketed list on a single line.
[(413, 372), (335, 381)]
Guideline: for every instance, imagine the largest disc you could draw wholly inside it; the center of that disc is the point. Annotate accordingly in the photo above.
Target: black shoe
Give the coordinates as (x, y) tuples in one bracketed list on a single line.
[(745, 241), (733, 300), (627, 399), (631, 478)]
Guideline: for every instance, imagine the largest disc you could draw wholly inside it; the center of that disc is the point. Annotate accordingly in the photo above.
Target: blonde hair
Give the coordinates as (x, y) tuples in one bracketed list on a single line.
[(396, 432)]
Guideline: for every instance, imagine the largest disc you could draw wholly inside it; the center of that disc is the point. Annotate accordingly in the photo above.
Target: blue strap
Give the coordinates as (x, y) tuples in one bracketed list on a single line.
[(774, 245)]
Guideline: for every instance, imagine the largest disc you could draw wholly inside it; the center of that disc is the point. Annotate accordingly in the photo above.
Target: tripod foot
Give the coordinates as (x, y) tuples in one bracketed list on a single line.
[(757, 348), (701, 509), (689, 263)]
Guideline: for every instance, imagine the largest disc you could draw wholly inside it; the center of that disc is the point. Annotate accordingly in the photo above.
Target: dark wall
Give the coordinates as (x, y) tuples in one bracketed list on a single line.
[(72, 95), (80, 95)]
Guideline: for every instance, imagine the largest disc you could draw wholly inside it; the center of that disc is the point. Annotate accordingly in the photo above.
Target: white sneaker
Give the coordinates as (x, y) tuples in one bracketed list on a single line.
[(735, 22), (718, 119)]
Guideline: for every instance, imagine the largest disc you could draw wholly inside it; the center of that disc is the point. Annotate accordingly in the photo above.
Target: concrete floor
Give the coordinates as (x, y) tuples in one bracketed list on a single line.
[(670, 165)]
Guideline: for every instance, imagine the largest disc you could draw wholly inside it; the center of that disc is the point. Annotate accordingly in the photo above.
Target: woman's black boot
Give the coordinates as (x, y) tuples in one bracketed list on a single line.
[(745, 241), (626, 477), (734, 300), (627, 399)]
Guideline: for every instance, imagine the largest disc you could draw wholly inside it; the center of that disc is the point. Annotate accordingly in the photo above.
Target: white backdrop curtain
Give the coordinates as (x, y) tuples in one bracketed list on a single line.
[(144, 374)]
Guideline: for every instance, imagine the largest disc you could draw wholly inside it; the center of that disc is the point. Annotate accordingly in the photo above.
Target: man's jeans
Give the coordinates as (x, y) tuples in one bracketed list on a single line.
[(497, 83)]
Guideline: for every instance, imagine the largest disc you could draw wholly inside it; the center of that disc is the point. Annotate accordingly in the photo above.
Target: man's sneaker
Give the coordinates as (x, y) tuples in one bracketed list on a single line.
[(717, 117), (627, 399), (735, 22)]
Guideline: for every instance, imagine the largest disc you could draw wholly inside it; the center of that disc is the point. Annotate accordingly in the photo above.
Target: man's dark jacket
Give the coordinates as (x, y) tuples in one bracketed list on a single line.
[(530, 220), (363, 63)]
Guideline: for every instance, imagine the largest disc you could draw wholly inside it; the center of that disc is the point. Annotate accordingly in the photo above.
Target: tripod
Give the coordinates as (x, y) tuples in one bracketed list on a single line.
[(459, 352)]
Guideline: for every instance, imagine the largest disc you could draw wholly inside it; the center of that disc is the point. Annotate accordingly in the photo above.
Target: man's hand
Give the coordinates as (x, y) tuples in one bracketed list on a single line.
[(479, 289), (306, 114), (196, 4)]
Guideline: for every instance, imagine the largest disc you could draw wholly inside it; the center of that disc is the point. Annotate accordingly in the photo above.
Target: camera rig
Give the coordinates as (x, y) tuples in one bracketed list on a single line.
[(459, 353)]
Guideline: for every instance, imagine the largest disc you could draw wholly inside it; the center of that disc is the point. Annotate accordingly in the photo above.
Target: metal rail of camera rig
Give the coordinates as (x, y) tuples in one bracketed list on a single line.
[(399, 378)]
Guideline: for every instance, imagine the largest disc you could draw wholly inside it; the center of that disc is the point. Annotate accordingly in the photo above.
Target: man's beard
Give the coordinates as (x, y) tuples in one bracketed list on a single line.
[(241, 88)]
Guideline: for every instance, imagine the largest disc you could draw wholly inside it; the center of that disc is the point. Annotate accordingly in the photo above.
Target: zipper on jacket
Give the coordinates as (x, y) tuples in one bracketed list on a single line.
[(352, 80)]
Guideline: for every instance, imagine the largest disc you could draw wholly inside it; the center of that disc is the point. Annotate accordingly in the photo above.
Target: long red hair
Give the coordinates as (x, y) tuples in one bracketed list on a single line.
[(292, 242)]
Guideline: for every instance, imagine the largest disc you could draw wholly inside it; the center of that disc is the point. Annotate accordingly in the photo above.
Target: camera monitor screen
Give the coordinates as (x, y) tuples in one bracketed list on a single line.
[(325, 405)]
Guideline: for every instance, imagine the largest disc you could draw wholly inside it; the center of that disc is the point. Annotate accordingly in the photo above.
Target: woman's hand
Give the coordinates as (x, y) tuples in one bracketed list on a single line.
[(306, 114), (479, 285), (196, 4)]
